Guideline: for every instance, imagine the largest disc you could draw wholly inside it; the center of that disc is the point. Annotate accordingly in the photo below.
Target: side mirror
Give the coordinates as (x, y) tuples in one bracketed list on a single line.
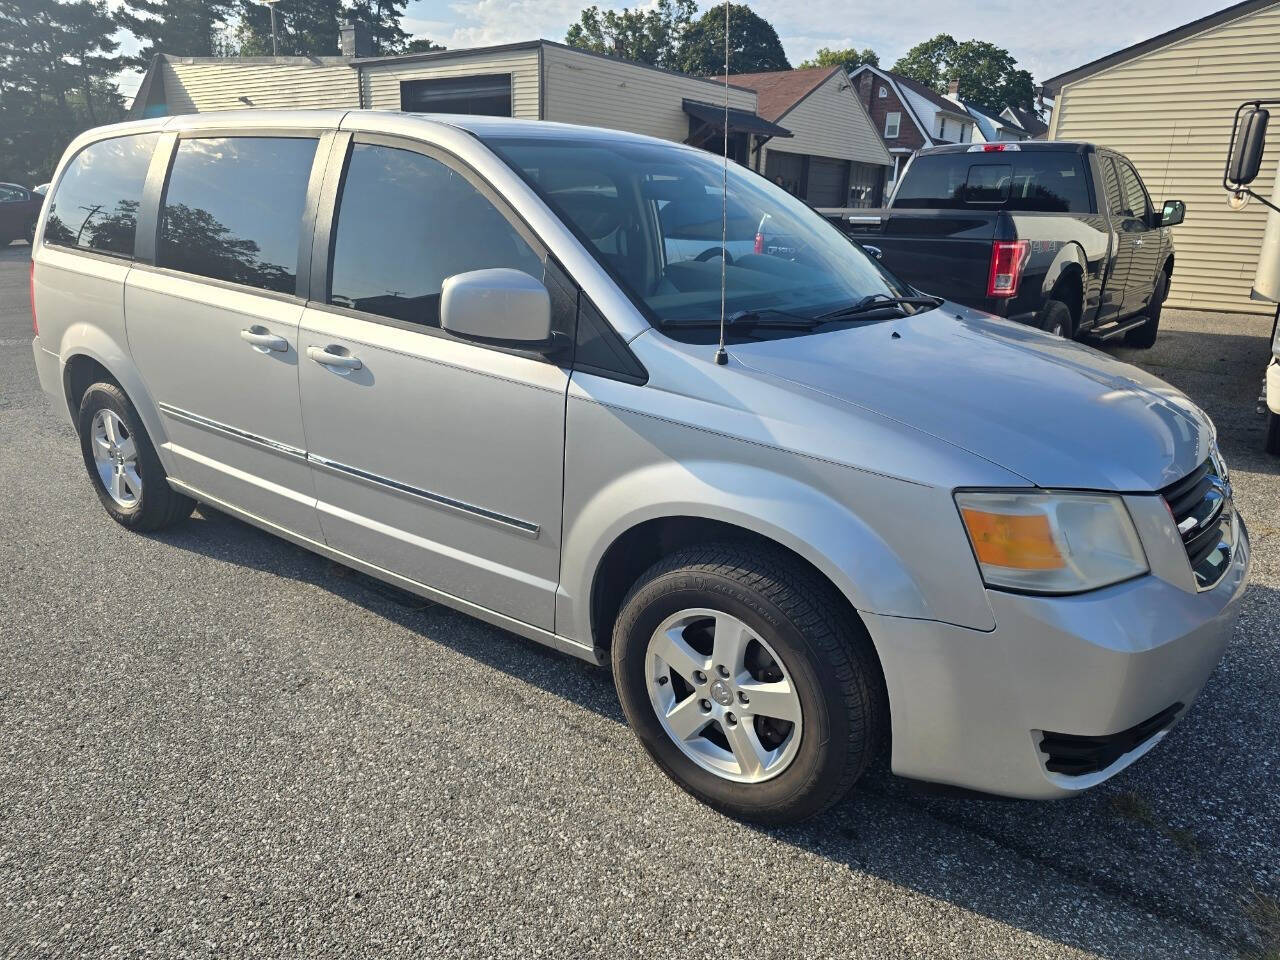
[(1174, 212), (501, 306), (1246, 151)]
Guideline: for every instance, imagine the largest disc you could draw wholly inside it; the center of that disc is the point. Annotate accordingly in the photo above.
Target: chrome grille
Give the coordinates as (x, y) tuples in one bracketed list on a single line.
[(1202, 509)]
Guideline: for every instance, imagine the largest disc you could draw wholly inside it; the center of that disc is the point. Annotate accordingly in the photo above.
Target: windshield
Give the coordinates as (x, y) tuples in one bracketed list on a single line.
[(651, 214)]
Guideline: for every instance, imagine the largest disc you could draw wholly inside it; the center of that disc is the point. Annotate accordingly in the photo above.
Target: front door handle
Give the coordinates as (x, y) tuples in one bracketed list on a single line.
[(330, 358), (264, 340)]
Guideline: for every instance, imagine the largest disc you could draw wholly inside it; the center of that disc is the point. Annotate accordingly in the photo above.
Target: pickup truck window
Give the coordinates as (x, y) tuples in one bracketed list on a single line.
[(1135, 198), (1111, 180), (1040, 181)]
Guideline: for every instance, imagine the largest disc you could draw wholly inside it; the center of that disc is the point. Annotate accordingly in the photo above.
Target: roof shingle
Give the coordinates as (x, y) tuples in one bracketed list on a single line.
[(780, 90)]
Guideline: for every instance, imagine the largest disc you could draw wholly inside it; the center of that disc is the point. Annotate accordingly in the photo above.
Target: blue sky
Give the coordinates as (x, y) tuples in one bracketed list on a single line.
[(1046, 37)]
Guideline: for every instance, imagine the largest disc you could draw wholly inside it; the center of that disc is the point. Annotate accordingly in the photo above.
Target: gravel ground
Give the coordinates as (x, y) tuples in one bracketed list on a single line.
[(215, 744)]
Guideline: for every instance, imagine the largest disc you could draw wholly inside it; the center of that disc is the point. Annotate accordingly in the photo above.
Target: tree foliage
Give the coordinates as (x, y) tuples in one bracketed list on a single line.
[(57, 64), (310, 28), (850, 59), (754, 46), (652, 36), (182, 28), (989, 76)]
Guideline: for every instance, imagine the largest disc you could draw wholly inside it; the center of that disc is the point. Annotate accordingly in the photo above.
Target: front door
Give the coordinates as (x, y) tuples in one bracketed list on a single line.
[(213, 325), (1142, 237), (1112, 303), (434, 458)]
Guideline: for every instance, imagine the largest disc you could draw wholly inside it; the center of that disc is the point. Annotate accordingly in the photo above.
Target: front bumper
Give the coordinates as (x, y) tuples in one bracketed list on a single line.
[(970, 708)]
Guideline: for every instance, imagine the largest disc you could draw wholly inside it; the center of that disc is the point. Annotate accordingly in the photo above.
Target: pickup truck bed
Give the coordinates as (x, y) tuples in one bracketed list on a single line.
[(1012, 228)]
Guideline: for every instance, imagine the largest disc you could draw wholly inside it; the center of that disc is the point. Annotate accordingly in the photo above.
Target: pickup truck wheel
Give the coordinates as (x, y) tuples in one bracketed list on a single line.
[(122, 462), (1273, 434), (1144, 337), (30, 233), (747, 683), (1055, 318)]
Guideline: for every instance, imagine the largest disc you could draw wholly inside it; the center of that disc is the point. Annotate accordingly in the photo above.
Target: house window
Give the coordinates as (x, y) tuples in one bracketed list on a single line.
[(892, 122), (884, 92), (942, 128), (488, 95)]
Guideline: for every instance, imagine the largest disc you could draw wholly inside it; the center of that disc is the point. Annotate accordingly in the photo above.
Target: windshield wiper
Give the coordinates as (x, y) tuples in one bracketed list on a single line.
[(879, 301), (765, 318)]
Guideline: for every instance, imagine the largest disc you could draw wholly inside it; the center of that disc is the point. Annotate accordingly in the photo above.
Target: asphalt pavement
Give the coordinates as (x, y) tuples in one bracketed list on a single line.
[(215, 744)]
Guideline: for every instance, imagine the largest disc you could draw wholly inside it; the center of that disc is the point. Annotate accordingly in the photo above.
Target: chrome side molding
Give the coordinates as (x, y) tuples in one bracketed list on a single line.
[(522, 527)]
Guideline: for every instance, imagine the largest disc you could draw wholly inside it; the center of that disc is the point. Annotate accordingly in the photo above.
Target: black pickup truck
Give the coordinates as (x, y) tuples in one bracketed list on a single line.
[(1063, 236)]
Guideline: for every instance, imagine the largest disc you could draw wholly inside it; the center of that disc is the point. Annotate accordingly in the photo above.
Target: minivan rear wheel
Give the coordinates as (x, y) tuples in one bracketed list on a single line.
[(748, 681), (122, 462)]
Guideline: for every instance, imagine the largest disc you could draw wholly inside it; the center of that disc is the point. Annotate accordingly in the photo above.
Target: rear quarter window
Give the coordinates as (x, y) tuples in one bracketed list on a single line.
[(95, 205), (1030, 181)]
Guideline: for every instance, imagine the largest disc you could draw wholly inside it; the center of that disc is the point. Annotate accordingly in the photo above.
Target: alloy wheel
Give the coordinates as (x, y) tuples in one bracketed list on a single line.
[(115, 456), (723, 695)]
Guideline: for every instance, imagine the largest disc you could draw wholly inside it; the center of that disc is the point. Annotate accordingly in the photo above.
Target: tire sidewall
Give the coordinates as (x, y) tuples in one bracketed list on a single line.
[(1057, 313), (821, 750), (110, 397)]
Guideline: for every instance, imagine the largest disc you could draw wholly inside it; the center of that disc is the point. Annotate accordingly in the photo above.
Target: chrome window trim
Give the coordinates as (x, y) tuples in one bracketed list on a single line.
[(522, 527)]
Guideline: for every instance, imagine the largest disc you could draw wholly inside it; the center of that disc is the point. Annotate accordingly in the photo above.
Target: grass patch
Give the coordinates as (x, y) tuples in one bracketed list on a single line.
[(1263, 911), (1132, 806)]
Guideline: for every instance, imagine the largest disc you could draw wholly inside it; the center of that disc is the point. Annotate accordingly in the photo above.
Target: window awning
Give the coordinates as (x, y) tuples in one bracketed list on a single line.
[(740, 121)]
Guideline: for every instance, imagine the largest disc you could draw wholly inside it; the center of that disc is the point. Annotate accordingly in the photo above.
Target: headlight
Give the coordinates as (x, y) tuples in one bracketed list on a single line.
[(1051, 542)]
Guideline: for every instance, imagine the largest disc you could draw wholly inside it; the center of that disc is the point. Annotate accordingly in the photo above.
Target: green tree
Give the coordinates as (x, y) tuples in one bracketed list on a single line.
[(850, 59), (57, 67), (989, 76), (648, 36), (304, 28), (382, 17), (422, 45), (754, 46), (183, 28)]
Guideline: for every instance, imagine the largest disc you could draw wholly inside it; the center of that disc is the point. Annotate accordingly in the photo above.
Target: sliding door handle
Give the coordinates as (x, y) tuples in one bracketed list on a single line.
[(331, 358), (264, 340)]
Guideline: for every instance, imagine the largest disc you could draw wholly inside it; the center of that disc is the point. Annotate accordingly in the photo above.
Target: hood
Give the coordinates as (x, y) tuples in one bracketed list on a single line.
[(1056, 413)]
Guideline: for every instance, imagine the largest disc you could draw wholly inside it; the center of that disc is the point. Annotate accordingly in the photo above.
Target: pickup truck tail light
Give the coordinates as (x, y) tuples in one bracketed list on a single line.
[(35, 327), (1008, 257)]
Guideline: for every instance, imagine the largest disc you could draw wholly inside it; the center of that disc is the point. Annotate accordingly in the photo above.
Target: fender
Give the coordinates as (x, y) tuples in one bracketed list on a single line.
[(1071, 259), (86, 340), (786, 510)]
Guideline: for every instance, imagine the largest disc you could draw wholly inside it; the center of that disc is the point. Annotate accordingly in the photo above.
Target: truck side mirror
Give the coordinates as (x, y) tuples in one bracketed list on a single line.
[(1246, 151), (1174, 212)]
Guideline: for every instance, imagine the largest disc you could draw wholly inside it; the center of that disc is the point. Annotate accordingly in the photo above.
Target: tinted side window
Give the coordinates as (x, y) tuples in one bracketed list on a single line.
[(233, 209), (95, 206), (1111, 181), (10, 194), (1135, 198), (406, 223)]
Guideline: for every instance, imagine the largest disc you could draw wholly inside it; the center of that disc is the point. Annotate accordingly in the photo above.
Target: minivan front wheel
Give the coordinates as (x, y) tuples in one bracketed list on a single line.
[(122, 462), (746, 681)]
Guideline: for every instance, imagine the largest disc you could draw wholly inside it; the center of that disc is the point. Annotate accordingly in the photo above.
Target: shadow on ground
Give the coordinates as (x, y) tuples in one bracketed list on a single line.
[(1176, 837)]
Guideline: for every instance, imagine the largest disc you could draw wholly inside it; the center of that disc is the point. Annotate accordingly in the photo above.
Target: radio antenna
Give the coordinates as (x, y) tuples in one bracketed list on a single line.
[(721, 357)]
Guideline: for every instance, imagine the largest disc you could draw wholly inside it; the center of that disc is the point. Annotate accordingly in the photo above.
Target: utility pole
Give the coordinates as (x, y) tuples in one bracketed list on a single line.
[(275, 44)]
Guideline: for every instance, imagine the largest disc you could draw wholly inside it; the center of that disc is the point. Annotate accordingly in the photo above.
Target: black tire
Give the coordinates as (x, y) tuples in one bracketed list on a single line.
[(1055, 318), (827, 653), (1144, 337), (30, 233), (159, 505), (1273, 434)]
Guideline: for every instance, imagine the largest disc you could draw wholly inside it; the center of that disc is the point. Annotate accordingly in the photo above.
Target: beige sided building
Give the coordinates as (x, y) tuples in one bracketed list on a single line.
[(1168, 104)]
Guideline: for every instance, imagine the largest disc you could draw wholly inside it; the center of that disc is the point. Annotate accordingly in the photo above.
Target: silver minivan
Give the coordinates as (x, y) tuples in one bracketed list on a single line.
[(467, 356)]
